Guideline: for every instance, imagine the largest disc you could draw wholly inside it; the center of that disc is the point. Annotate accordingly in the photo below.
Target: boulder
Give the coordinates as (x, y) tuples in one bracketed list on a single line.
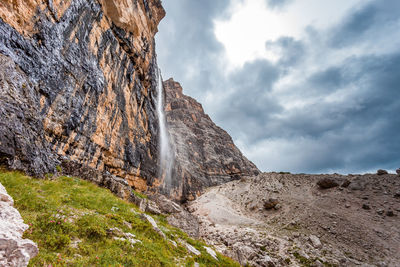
[(345, 183), (315, 242), (14, 250), (270, 203), (166, 205), (390, 213), (185, 221), (328, 182), (366, 207), (358, 184), (381, 172), (398, 171)]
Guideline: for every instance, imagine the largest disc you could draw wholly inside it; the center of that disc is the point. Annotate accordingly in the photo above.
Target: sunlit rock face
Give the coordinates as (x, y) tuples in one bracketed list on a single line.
[(85, 89), (205, 154)]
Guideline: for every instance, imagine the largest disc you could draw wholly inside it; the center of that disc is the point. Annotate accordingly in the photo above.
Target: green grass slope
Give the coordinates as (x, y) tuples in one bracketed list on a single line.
[(70, 220)]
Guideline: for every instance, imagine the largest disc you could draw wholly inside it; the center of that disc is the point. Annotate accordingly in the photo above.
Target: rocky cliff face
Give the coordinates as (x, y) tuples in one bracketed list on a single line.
[(205, 154), (78, 84)]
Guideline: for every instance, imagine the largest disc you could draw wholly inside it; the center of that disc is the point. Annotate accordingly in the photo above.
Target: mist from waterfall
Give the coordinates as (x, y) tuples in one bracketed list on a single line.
[(166, 159)]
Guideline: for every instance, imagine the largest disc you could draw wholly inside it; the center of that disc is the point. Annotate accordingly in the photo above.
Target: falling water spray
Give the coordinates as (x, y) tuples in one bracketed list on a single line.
[(166, 158)]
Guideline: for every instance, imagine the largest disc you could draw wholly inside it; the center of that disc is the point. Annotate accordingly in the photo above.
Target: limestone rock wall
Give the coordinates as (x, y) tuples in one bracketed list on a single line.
[(14, 250), (78, 83), (205, 154)]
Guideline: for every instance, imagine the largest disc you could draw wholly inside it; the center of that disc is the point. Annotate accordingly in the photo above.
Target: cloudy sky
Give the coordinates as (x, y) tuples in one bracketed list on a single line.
[(301, 85)]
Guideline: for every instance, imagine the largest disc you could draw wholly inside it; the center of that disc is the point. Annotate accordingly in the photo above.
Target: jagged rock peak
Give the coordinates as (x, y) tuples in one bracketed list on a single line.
[(205, 154)]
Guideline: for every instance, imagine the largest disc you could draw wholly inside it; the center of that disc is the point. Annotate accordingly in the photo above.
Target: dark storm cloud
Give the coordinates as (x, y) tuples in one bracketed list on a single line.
[(357, 134), (366, 22), (250, 98), (349, 121)]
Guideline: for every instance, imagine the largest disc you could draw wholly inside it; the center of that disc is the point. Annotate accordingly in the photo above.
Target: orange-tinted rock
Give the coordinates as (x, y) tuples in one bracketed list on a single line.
[(89, 70)]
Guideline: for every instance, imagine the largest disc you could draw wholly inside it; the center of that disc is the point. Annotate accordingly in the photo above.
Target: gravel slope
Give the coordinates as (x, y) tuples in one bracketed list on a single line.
[(350, 225)]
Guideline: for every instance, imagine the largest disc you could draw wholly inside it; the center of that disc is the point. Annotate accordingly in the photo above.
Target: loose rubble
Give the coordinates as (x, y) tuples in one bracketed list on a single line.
[(353, 223)]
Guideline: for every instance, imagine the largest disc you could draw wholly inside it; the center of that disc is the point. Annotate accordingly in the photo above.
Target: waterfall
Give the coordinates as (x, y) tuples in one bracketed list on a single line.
[(165, 154)]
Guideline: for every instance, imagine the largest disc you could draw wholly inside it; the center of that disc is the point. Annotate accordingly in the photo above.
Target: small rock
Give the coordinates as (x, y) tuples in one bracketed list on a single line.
[(347, 205), (75, 243), (253, 206), (397, 194), (173, 243), (271, 203), (316, 243), (131, 238), (398, 171), (114, 231), (278, 207), (266, 261), (326, 183), (304, 255), (153, 223), (345, 183), (358, 184), (380, 211), (318, 263), (381, 172), (127, 224), (366, 207), (211, 252), (192, 249), (390, 213), (152, 208)]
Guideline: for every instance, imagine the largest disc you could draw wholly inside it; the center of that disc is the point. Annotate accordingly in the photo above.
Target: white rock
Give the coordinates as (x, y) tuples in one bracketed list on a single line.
[(131, 238), (173, 243), (154, 224), (14, 251), (150, 220), (211, 252), (191, 249), (315, 241)]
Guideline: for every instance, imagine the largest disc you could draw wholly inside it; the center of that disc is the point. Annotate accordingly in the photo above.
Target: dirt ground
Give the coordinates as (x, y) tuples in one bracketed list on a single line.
[(356, 223)]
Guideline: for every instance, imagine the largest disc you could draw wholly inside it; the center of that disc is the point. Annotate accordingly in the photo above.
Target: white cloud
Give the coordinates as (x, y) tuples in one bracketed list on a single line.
[(252, 23)]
